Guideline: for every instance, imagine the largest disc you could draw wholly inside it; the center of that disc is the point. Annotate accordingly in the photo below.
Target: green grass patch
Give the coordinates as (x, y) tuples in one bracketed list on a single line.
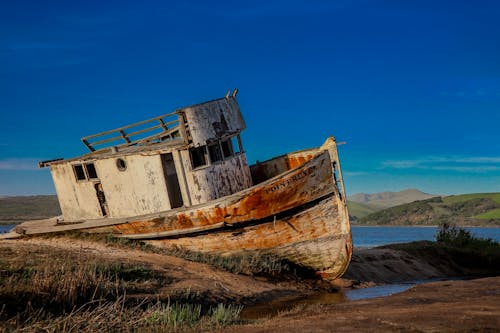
[(489, 215), (465, 197), (360, 210)]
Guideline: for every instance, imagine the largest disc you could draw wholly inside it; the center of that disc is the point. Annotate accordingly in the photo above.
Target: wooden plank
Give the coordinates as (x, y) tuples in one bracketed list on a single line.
[(129, 126), (171, 233), (122, 132), (97, 143)]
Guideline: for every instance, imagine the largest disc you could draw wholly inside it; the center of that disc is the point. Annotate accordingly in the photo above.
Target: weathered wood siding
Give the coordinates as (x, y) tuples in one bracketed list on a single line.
[(78, 200), (262, 171), (217, 180), (139, 189), (213, 120)]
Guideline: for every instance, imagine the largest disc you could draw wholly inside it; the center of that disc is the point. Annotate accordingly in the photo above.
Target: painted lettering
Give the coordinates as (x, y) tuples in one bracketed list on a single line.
[(287, 182)]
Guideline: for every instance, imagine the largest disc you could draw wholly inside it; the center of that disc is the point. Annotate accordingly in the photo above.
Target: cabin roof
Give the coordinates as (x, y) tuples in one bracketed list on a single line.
[(162, 133)]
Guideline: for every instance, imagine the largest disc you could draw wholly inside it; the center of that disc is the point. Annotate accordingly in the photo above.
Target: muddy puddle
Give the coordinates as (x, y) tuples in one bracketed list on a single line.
[(274, 307)]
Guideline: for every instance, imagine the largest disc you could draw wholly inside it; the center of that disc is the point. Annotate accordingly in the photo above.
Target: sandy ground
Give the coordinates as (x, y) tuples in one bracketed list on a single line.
[(455, 306), (447, 306)]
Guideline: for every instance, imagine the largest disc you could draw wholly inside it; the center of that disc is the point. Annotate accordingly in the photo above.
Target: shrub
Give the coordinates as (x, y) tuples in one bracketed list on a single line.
[(459, 237)]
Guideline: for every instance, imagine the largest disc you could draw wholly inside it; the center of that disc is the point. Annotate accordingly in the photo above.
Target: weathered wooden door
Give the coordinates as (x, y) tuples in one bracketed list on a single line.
[(101, 198), (173, 188)]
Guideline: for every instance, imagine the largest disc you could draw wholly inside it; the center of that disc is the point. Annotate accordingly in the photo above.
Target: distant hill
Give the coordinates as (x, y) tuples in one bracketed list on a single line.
[(465, 210), (22, 208), (363, 204), (358, 210), (390, 199)]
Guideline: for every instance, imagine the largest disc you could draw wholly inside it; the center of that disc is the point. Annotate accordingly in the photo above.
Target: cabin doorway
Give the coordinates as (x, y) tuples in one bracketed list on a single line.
[(173, 188), (101, 198)]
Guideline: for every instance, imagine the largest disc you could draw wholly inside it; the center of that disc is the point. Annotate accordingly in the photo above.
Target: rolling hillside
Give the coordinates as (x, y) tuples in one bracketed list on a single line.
[(22, 208), (358, 210), (465, 210), (390, 199), (362, 204)]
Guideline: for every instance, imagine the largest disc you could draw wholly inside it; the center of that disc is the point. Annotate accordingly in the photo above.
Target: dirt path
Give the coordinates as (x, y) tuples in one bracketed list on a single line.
[(186, 275), (447, 306)]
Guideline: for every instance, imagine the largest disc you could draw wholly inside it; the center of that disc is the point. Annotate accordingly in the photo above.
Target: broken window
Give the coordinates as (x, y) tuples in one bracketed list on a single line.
[(198, 156), (215, 152), (79, 172), (227, 148), (236, 145), (91, 172)]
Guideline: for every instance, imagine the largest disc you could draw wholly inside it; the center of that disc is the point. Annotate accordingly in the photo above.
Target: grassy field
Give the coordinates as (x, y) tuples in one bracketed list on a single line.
[(489, 215), (45, 289), (465, 197)]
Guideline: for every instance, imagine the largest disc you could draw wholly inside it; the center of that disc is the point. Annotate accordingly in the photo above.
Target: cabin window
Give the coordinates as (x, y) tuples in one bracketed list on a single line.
[(91, 171), (215, 152), (198, 156), (121, 164), (235, 143), (85, 171), (79, 172), (227, 148)]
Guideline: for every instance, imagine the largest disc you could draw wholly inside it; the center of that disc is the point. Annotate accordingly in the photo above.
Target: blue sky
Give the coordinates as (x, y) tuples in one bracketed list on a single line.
[(412, 87)]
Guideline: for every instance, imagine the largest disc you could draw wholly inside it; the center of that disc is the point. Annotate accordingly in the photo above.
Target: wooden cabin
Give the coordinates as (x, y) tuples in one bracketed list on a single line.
[(188, 157)]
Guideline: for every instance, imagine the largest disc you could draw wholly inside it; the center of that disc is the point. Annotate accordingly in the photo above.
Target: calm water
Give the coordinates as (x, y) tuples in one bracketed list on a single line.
[(376, 236), (5, 228)]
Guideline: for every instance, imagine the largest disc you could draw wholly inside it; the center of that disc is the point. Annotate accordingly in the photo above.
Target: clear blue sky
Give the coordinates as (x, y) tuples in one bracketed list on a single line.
[(413, 87)]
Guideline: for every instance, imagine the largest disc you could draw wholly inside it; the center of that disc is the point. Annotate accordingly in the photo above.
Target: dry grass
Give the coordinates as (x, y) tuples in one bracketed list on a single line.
[(247, 263), (47, 290)]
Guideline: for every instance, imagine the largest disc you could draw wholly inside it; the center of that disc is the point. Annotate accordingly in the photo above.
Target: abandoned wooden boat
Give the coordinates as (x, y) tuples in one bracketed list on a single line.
[(182, 179)]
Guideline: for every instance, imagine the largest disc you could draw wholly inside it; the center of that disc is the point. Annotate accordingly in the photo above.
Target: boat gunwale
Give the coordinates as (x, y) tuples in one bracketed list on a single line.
[(223, 225)]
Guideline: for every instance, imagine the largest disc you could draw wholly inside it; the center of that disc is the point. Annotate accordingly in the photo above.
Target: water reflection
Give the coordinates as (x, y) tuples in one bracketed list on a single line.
[(378, 291), (273, 308)]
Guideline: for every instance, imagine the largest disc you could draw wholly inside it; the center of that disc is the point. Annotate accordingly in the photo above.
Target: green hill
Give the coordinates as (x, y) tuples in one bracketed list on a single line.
[(466, 209), (363, 204), (358, 210), (22, 208)]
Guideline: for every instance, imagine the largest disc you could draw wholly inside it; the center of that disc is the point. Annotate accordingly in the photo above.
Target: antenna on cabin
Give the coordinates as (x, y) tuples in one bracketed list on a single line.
[(228, 93), (235, 92)]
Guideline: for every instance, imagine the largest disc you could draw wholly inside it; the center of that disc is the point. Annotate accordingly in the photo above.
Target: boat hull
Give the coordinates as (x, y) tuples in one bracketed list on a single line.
[(313, 238)]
